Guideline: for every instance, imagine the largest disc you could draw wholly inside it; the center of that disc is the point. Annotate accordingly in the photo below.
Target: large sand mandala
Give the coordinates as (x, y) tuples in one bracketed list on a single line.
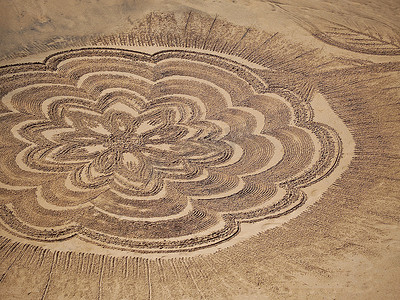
[(163, 152), (187, 150)]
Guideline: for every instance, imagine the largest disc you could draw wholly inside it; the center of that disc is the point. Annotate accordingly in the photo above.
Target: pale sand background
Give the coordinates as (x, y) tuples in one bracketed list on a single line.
[(347, 246)]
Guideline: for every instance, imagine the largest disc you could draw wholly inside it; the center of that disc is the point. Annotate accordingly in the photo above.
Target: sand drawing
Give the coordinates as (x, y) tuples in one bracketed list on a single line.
[(162, 152), (136, 155)]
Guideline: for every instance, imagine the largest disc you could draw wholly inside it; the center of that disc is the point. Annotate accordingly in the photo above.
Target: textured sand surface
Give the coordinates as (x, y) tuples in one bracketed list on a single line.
[(199, 150)]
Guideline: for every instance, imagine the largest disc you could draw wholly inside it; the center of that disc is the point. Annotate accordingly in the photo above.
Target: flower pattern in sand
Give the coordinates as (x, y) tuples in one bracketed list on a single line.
[(154, 153)]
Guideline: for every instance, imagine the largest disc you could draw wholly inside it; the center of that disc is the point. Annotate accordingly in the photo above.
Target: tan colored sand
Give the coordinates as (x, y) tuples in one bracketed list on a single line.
[(343, 244)]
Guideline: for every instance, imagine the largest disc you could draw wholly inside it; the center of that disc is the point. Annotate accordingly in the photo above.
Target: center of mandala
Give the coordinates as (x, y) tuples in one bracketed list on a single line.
[(126, 142)]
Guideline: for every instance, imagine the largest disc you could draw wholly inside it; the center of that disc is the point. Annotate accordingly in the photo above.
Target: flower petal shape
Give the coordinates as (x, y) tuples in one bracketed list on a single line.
[(163, 152)]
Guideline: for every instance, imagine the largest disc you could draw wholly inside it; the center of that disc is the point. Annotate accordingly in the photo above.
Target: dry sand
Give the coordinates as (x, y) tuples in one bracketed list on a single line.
[(199, 150)]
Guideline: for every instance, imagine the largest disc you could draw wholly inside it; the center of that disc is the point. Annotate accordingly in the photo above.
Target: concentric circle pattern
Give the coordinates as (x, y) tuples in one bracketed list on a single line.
[(161, 152)]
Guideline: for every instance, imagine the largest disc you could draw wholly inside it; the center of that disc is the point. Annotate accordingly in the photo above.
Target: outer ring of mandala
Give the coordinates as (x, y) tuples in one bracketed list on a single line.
[(260, 81)]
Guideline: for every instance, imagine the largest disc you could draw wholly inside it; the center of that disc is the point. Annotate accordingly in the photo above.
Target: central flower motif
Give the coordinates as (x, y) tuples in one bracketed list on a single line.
[(124, 146), (158, 153)]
